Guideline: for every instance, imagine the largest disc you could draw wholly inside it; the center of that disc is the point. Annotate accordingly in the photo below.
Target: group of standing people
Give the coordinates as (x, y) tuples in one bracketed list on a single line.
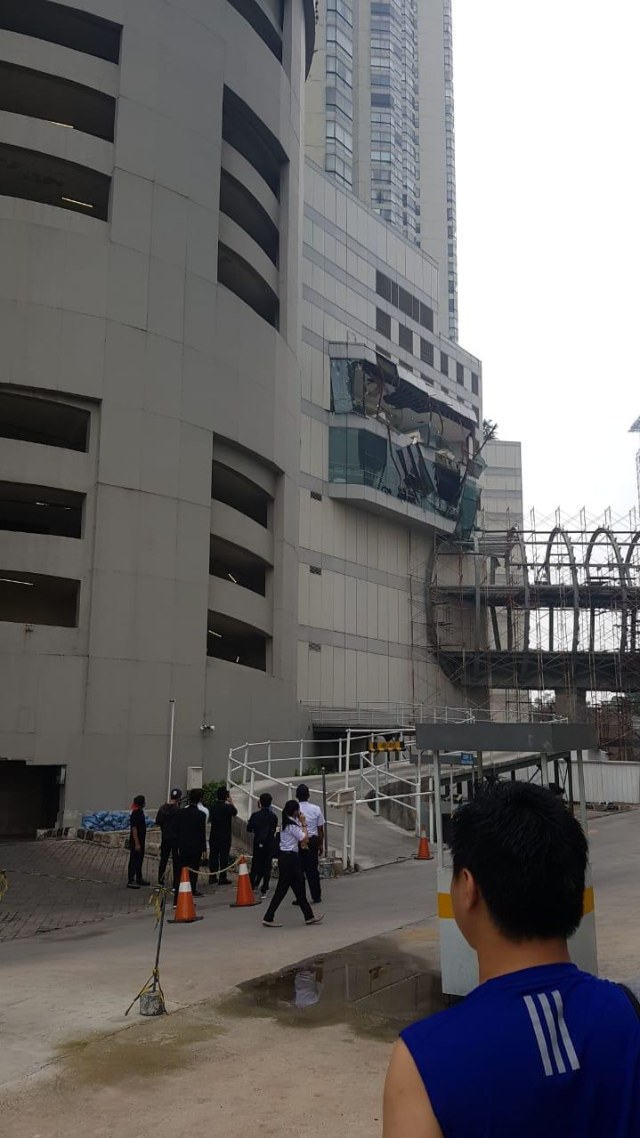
[(184, 838), (298, 846)]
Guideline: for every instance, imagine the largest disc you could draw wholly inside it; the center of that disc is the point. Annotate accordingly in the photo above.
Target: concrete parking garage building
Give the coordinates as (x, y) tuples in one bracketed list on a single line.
[(232, 426), (150, 235)]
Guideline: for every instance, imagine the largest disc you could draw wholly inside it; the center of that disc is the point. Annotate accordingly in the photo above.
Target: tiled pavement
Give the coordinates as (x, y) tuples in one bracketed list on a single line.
[(59, 884)]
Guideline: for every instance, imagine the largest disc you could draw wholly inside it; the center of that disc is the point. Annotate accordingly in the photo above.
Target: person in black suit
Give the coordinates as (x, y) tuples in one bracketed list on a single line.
[(222, 814), (191, 836)]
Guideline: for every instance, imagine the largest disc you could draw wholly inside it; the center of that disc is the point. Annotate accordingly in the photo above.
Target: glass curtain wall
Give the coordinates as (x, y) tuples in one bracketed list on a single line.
[(339, 91), (395, 164)]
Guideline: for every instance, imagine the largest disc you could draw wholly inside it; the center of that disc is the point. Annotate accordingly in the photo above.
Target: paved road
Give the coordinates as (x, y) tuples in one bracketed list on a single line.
[(67, 984), (57, 885)]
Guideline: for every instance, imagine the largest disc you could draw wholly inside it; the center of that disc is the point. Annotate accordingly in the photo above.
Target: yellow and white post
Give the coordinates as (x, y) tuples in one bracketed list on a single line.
[(458, 962)]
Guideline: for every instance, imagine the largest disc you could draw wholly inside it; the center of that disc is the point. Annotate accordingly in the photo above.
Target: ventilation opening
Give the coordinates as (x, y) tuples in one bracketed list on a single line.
[(253, 13), (236, 642), (38, 509), (29, 798), (33, 420), (31, 598), (246, 211), (243, 130), (67, 104), (234, 490), (39, 177), (58, 23), (241, 278), (230, 563)]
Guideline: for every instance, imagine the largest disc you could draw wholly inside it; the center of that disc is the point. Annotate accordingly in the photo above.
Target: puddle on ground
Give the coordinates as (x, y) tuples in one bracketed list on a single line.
[(376, 987)]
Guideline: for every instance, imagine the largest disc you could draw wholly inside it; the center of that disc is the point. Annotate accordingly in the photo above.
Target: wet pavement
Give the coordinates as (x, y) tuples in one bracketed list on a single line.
[(376, 987)]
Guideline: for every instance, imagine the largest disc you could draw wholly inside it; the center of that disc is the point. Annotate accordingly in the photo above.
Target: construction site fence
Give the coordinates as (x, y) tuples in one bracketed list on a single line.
[(608, 782)]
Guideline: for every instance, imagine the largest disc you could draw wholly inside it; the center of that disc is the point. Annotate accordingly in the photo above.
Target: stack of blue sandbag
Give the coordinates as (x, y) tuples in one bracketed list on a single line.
[(108, 821)]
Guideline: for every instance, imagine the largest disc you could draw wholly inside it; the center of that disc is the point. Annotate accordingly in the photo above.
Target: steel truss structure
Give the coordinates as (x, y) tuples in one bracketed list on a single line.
[(539, 609)]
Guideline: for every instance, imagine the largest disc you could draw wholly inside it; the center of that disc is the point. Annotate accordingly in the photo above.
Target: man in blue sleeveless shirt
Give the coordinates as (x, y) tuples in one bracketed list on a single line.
[(539, 1049)]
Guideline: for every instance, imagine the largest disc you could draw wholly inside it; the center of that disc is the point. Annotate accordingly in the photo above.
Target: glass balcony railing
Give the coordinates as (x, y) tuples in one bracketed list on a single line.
[(362, 458)]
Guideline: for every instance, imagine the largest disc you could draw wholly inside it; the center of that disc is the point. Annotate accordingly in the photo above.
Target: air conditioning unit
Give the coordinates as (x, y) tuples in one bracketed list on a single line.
[(194, 778)]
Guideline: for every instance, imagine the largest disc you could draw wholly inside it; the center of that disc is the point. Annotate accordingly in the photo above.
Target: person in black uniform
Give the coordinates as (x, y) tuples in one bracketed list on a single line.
[(191, 835), (137, 839), (166, 819), (222, 814), (262, 824)]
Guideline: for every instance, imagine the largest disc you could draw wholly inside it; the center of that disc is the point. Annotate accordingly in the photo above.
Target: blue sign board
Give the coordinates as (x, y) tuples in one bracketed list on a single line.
[(467, 760)]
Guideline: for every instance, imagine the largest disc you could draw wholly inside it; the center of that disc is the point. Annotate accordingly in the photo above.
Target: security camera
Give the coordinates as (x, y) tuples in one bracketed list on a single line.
[(206, 727)]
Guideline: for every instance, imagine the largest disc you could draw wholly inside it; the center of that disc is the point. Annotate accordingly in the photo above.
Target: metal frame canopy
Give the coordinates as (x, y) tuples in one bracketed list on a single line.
[(525, 745), (546, 738)]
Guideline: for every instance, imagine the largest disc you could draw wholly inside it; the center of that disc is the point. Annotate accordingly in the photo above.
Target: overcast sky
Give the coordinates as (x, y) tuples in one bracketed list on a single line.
[(547, 116)]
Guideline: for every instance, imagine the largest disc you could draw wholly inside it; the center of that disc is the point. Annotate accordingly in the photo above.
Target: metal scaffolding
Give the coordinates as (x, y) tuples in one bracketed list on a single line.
[(635, 429), (551, 608)]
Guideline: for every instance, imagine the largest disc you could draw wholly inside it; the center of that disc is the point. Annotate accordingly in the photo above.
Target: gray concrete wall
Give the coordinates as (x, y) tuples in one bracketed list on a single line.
[(126, 317)]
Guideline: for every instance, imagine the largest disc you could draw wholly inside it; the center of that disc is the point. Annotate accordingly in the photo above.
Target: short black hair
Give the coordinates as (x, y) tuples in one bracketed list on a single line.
[(528, 856), (266, 799), (222, 794), (302, 793), (195, 796)]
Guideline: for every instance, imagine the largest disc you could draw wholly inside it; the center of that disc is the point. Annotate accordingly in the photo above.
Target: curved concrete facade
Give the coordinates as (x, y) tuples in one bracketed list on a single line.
[(170, 330)]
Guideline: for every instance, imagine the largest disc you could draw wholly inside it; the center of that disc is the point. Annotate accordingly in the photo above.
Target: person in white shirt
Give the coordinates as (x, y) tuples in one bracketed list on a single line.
[(293, 836), (310, 854)]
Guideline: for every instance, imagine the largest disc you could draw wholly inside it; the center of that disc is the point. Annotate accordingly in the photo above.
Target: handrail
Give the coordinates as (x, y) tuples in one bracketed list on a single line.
[(257, 761)]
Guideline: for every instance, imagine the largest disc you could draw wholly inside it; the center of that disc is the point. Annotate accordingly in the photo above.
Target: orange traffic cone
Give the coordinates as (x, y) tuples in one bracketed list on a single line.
[(424, 853), (185, 910), (245, 894)]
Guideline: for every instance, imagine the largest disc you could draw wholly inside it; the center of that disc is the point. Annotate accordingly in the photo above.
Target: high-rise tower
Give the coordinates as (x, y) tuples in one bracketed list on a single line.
[(380, 119)]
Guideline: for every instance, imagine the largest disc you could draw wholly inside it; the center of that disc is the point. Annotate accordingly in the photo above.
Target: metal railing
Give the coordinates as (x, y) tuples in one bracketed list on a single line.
[(348, 766), (377, 716)]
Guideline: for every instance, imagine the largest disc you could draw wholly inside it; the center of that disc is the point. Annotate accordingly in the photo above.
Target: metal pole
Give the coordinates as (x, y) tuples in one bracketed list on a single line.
[(418, 793), (582, 792), (377, 770), (163, 908), (269, 758), (324, 811), (229, 766), (544, 770), (172, 725), (251, 791), (301, 757), (360, 787), (438, 808), (245, 773), (348, 758), (345, 840), (353, 837), (340, 755), (431, 811), (570, 782)]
